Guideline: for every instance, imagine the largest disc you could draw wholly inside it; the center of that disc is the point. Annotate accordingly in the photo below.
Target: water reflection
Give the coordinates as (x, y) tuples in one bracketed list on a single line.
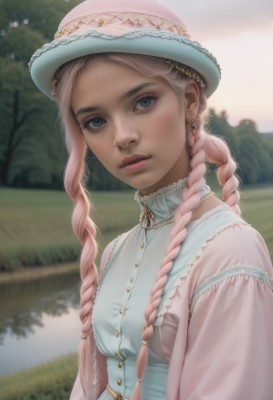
[(38, 321)]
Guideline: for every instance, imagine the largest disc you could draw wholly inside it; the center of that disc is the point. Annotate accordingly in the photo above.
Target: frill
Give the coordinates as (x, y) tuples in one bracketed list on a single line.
[(163, 309)]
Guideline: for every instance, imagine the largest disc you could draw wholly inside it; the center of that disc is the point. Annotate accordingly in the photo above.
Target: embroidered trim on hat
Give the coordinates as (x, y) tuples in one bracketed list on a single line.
[(135, 20), (131, 35)]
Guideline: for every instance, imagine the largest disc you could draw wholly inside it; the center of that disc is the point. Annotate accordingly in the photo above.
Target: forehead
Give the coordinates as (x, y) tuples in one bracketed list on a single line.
[(101, 71), (105, 79)]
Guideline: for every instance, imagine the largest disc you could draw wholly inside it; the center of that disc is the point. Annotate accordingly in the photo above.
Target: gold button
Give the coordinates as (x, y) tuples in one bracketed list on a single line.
[(142, 245), (128, 289), (117, 334), (137, 264), (119, 381), (121, 310), (116, 354), (132, 280), (120, 364)]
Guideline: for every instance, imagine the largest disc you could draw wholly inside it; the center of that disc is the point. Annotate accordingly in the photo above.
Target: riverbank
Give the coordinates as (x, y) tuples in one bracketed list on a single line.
[(34, 273), (35, 226), (50, 381)]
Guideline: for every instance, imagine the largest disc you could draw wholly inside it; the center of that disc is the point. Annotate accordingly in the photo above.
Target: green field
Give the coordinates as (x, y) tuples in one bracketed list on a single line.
[(35, 227)]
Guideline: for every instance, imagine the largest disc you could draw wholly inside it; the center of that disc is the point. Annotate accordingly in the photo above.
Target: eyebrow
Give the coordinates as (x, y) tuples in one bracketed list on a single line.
[(128, 94)]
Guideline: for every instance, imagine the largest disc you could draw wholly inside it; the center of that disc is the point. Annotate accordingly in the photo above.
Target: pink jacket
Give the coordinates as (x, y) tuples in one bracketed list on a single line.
[(217, 333)]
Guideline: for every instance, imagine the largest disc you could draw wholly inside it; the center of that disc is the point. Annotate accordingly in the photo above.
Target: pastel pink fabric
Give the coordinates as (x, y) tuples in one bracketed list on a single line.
[(141, 7), (221, 347)]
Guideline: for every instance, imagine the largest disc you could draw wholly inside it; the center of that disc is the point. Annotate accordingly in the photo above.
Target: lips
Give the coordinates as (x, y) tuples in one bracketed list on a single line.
[(135, 158)]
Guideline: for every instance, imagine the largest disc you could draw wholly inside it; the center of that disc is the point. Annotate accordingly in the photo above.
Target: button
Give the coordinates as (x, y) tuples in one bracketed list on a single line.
[(116, 354), (119, 381), (137, 263), (121, 310), (132, 280), (120, 364), (142, 245), (128, 290), (117, 334)]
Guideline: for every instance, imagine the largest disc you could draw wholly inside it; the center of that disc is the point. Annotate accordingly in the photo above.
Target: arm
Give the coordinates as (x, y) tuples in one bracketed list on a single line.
[(229, 354)]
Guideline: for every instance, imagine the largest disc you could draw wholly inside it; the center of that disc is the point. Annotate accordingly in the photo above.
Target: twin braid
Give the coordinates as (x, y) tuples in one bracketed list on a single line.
[(203, 147), (218, 153), (191, 199), (85, 231)]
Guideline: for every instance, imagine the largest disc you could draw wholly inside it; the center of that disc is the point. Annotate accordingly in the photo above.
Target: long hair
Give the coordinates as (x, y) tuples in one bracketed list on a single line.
[(202, 147)]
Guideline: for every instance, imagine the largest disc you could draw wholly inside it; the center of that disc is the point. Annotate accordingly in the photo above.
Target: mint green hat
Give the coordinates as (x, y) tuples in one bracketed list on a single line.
[(145, 27)]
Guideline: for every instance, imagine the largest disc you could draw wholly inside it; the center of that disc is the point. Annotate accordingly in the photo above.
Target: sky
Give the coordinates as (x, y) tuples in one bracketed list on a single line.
[(239, 33)]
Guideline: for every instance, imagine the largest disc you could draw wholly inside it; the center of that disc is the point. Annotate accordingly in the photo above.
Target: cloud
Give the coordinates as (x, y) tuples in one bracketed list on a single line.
[(209, 18)]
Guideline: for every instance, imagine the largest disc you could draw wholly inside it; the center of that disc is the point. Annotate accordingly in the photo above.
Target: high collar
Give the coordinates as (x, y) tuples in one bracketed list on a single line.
[(161, 205)]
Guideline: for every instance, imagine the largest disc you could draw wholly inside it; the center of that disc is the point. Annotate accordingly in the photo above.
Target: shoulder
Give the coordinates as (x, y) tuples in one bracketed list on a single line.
[(231, 246), (236, 244)]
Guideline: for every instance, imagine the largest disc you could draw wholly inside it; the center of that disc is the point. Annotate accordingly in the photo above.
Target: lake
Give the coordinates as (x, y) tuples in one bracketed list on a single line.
[(39, 321)]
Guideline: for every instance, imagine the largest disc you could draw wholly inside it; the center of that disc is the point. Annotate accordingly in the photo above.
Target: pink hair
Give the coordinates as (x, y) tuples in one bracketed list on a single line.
[(202, 147)]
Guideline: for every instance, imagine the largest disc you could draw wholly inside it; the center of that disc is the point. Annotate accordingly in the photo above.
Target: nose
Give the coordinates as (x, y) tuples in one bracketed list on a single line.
[(125, 135)]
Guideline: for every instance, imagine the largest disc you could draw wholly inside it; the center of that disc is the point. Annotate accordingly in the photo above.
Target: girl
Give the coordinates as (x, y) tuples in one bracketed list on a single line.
[(182, 308)]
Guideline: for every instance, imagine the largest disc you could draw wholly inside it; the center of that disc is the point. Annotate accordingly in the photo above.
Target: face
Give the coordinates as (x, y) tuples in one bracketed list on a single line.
[(134, 125)]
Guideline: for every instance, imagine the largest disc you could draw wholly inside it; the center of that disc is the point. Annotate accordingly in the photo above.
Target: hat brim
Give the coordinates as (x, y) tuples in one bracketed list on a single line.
[(45, 61)]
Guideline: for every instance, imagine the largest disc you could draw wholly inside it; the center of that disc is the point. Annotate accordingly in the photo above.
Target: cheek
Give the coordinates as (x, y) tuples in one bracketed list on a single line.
[(168, 124), (99, 150)]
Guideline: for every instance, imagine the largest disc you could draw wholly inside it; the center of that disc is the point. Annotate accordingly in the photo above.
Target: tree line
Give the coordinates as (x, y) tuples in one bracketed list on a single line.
[(32, 151)]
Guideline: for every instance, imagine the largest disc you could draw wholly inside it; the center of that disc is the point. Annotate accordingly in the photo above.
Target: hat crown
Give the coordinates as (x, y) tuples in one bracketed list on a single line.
[(120, 17), (149, 7)]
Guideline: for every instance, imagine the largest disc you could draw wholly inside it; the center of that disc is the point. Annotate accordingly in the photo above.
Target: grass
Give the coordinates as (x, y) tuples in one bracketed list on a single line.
[(35, 226), (50, 381), (257, 209)]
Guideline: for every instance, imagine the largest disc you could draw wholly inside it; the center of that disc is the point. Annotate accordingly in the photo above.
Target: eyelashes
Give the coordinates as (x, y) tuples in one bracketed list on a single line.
[(145, 101), (142, 104), (94, 123)]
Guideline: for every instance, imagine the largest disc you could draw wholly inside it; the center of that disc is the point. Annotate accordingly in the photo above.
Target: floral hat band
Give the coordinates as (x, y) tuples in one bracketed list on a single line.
[(146, 27)]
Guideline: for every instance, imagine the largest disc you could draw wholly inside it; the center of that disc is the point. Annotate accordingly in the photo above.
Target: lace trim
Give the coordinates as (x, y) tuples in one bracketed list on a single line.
[(132, 35), (162, 191), (238, 270), (167, 303)]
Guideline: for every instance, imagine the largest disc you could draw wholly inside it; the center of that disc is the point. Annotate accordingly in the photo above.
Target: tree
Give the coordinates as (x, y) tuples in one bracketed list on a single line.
[(25, 27)]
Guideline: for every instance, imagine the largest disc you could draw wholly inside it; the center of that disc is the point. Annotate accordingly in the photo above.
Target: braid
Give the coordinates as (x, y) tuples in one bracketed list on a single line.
[(218, 153), (191, 199), (85, 231)]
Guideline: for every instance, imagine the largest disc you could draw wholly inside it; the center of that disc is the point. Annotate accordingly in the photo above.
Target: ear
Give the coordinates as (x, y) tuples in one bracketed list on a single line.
[(192, 94)]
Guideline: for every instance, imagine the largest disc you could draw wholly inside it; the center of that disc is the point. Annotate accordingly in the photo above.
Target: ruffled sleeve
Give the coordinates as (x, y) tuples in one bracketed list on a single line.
[(223, 346), (229, 354)]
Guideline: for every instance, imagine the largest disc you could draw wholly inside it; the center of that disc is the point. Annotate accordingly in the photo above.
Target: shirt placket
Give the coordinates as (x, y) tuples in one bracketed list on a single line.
[(135, 268)]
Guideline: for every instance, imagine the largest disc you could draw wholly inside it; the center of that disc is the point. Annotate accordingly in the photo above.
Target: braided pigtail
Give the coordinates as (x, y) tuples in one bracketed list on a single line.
[(84, 229), (217, 152), (190, 200)]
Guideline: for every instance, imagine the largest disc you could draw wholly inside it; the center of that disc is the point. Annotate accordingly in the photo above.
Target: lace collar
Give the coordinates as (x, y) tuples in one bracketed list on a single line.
[(158, 208)]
